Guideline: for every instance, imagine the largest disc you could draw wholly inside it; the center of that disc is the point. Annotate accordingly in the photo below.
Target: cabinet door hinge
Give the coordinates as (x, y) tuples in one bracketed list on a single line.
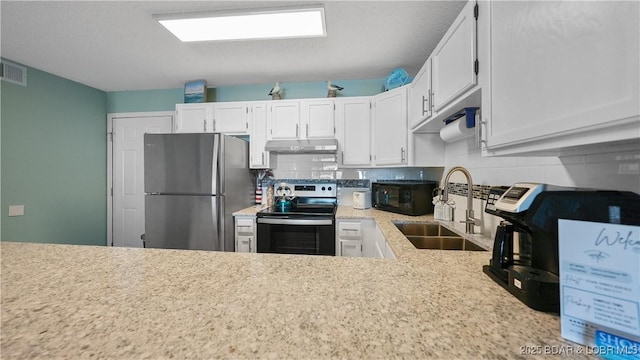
[(475, 11), (112, 191), (111, 136), (476, 67)]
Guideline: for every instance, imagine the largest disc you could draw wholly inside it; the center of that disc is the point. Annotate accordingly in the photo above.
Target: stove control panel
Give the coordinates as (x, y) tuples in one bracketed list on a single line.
[(315, 190)]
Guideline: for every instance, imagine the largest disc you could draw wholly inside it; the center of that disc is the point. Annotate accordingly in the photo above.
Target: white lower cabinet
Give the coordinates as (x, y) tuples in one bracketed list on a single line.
[(382, 247), (380, 244), (351, 248), (349, 238), (245, 233), (361, 238), (388, 252)]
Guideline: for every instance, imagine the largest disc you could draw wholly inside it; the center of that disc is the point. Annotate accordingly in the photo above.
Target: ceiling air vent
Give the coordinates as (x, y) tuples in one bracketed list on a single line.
[(13, 73)]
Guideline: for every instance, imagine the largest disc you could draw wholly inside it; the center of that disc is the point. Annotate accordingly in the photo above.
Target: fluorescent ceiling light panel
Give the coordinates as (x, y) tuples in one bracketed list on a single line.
[(305, 22)]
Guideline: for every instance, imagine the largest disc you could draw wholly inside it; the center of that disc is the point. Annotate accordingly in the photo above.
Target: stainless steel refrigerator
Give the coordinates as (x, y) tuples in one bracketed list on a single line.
[(193, 183)]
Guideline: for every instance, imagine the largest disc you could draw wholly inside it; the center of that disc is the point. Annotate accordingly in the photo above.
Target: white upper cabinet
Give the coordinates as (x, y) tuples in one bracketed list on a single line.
[(224, 117), (454, 60), (563, 75), (420, 95), (353, 130), (318, 118), (193, 118), (259, 158), (284, 119), (390, 127), (231, 117), (302, 119), (448, 81)]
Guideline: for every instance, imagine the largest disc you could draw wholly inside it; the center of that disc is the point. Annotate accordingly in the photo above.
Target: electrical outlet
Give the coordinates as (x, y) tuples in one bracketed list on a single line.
[(16, 210)]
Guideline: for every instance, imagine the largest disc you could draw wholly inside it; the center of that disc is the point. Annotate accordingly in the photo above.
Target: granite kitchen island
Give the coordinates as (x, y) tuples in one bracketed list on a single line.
[(68, 301)]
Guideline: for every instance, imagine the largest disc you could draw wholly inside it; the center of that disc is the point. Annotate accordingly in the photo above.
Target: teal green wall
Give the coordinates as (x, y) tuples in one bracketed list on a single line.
[(165, 100), (144, 100), (53, 148), (53, 160), (298, 90)]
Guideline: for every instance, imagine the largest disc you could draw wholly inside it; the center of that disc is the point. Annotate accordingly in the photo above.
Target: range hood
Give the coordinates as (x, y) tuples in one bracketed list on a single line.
[(307, 146)]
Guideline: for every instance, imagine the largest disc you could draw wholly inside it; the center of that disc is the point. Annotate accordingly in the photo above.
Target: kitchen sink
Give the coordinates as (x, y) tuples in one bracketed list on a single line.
[(435, 236)]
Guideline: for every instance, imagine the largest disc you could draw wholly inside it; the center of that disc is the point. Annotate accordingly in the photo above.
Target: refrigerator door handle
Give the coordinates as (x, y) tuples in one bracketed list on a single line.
[(215, 173), (219, 219)]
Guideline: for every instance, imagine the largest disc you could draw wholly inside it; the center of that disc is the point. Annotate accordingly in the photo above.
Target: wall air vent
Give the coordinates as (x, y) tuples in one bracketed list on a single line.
[(13, 73)]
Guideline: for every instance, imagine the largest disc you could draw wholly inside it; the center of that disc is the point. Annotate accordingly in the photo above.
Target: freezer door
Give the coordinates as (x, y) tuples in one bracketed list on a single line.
[(236, 180), (181, 163), (182, 222)]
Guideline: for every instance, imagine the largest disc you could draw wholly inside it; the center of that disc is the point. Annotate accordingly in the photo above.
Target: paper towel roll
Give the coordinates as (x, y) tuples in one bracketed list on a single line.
[(456, 130)]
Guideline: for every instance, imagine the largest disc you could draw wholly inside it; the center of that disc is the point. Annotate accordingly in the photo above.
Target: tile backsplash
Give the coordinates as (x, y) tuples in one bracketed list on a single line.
[(306, 166), (325, 166), (608, 167)]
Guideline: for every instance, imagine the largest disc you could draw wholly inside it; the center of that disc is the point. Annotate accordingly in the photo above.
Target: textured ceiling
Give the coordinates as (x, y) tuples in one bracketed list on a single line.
[(118, 46)]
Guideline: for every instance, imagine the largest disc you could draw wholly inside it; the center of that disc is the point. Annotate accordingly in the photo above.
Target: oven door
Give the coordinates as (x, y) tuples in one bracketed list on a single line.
[(309, 236)]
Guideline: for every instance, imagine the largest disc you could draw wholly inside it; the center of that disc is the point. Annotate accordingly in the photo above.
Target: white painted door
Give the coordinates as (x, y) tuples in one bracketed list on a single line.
[(128, 175), (576, 84), (318, 118), (245, 234), (244, 244), (194, 118), (258, 158), (390, 121), (353, 122), (352, 248), (284, 120), (231, 117), (420, 107), (453, 60)]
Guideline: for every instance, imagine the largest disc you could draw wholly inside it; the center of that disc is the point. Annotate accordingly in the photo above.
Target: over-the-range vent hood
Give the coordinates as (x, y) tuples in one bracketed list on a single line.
[(307, 146)]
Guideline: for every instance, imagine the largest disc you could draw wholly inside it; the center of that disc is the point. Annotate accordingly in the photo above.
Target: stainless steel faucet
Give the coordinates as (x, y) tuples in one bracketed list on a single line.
[(470, 221)]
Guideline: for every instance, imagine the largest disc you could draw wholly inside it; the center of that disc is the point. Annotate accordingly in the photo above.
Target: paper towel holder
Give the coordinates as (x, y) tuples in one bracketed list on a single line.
[(458, 128), (468, 112)]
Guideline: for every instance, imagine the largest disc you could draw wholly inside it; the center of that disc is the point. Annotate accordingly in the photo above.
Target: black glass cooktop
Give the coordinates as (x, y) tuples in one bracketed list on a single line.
[(303, 209)]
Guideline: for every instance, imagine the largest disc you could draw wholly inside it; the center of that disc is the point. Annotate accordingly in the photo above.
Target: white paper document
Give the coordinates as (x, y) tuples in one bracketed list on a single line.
[(600, 286)]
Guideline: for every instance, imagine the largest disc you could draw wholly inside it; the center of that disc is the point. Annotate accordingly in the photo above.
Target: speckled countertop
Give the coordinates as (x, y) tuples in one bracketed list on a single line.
[(66, 301)]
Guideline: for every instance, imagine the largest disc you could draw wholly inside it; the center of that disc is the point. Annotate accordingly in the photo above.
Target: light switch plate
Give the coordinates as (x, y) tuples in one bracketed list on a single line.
[(16, 210)]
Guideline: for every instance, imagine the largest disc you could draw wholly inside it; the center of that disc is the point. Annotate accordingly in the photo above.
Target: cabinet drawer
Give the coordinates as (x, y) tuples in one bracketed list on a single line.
[(244, 226), (350, 230)]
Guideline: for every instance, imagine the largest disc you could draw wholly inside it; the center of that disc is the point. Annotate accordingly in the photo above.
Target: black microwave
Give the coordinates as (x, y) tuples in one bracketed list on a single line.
[(404, 197)]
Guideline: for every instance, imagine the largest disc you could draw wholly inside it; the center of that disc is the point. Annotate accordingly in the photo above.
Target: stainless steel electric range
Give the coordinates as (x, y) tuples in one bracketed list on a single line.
[(305, 224)]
